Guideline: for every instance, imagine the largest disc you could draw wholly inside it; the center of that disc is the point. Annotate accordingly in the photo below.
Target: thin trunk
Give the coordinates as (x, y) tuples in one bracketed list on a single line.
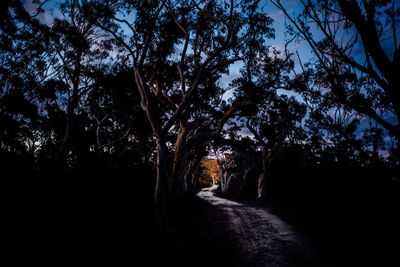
[(176, 181), (214, 179), (72, 104), (268, 157), (262, 179), (67, 141), (64, 149), (194, 180), (185, 185), (244, 181), (189, 174), (228, 182), (222, 172), (160, 196), (161, 190), (260, 186)]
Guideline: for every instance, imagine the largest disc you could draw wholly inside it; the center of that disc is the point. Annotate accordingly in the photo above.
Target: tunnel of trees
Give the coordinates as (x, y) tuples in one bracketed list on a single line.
[(123, 110)]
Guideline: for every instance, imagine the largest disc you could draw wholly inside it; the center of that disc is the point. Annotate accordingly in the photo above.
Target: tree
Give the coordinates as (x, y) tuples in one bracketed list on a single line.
[(210, 172), (171, 47), (238, 162), (277, 115), (111, 105), (24, 47), (364, 81), (274, 125), (80, 54)]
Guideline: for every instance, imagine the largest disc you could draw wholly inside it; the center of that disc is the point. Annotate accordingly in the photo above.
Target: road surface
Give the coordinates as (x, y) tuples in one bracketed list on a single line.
[(261, 237)]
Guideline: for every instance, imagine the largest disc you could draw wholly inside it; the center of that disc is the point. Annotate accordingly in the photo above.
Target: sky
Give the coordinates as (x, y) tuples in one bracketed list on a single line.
[(278, 42), (50, 11), (293, 7)]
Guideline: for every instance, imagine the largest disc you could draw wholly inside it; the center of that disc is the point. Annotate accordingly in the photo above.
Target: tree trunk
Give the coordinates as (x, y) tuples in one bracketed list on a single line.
[(176, 181), (160, 196), (194, 180), (228, 180), (222, 173), (244, 181), (67, 141), (262, 179), (189, 174), (260, 186), (64, 149)]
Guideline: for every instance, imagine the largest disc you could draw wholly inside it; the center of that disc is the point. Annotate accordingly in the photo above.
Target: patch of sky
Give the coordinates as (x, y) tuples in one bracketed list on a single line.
[(50, 11)]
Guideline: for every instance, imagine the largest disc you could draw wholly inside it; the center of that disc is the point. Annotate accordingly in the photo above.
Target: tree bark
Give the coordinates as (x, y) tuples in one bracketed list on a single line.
[(189, 175), (268, 157), (262, 179), (244, 181), (260, 186), (176, 181), (222, 173), (160, 196)]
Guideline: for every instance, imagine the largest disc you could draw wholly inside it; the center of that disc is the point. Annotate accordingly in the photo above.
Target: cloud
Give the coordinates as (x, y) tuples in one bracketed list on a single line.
[(278, 16), (246, 132), (46, 17), (234, 72)]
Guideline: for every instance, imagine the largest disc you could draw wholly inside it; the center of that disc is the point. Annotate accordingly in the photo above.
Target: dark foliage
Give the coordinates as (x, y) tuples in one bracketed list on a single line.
[(112, 106)]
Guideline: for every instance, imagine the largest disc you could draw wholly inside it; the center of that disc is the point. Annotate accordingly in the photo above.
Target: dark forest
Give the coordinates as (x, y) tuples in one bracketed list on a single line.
[(205, 133)]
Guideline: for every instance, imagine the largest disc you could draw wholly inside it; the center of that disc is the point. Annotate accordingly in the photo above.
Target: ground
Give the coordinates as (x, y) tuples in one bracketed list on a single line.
[(206, 230), (262, 238)]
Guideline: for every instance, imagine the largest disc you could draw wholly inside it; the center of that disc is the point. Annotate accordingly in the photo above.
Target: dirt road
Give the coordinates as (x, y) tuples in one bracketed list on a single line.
[(263, 238)]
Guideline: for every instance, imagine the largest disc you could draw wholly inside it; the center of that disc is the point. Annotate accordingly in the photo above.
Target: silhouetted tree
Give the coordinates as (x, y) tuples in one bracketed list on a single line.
[(276, 115), (80, 54), (209, 36), (24, 52), (365, 81)]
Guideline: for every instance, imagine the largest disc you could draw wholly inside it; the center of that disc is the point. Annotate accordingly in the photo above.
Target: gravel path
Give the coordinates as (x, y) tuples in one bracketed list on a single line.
[(261, 237)]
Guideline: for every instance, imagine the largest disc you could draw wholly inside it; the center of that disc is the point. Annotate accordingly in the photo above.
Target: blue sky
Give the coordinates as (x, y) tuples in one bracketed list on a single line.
[(279, 25), (293, 7)]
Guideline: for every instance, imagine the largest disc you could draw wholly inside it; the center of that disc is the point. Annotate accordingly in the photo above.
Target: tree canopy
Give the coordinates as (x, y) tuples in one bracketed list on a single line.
[(186, 93)]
